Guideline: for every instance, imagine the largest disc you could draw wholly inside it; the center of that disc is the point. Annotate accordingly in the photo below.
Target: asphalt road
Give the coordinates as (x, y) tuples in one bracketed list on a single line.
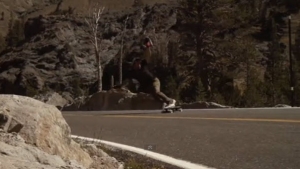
[(224, 139)]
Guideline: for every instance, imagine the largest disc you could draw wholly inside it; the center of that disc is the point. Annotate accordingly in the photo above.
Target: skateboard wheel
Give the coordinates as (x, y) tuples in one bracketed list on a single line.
[(180, 110)]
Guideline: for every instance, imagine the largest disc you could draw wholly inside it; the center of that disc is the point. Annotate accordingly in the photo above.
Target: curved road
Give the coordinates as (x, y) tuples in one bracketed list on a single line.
[(223, 139)]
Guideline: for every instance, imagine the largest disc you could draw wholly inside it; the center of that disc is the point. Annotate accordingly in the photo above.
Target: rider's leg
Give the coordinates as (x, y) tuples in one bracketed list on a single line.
[(156, 93)]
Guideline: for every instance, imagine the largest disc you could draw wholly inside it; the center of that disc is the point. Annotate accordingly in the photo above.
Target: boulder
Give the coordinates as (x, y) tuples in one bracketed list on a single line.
[(15, 154), (52, 98), (116, 100), (44, 127)]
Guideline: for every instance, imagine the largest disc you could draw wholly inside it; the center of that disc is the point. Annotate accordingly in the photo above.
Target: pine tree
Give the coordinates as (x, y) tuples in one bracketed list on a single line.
[(254, 93), (199, 91), (198, 17), (194, 92), (235, 98), (296, 52), (275, 75)]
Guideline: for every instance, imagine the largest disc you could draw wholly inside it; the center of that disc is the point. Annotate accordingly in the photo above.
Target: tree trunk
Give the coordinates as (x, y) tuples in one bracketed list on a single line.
[(112, 82), (202, 67), (99, 69), (99, 77), (121, 65)]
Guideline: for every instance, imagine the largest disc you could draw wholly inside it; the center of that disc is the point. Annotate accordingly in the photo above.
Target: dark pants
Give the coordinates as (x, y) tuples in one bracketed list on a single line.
[(154, 90)]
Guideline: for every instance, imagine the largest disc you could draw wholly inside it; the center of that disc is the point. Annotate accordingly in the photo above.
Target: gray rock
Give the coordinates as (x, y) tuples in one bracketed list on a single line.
[(116, 100), (44, 142), (52, 98), (44, 127)]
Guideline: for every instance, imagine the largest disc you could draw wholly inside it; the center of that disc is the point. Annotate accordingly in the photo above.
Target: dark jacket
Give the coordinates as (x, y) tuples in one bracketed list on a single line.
[(143, 76)]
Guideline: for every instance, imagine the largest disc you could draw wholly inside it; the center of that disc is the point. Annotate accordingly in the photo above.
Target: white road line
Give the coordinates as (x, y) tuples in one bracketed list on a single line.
[(148, 154)]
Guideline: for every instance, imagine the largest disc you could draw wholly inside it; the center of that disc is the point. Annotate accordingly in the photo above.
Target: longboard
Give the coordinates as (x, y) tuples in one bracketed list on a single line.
[(172, 109)]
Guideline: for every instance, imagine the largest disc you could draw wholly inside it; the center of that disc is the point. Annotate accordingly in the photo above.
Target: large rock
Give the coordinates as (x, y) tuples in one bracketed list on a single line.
[(116, 100), (44, 127), (52, 98), (16, 154)]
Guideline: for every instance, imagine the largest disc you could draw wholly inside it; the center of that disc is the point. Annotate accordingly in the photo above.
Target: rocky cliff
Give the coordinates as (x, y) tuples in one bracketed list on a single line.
[(57, 55)]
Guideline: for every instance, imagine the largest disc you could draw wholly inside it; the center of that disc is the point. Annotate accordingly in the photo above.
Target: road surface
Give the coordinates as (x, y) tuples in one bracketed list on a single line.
[(224, 139)]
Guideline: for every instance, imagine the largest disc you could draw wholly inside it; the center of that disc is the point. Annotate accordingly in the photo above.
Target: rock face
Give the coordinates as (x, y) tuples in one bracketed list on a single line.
[(43, 127), (57, 55)]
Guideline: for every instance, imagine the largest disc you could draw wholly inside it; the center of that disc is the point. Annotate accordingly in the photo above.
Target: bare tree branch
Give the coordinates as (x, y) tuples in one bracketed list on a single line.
[(93, 23), (121, 53)]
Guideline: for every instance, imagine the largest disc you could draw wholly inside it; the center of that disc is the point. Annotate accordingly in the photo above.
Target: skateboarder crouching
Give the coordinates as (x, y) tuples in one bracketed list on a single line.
[(148, 82)]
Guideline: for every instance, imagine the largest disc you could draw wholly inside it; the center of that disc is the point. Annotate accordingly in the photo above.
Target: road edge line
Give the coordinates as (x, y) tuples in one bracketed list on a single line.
[(149, 154)]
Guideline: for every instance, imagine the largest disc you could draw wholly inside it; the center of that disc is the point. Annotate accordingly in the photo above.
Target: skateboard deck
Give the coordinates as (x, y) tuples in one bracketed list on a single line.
[(172, 109)]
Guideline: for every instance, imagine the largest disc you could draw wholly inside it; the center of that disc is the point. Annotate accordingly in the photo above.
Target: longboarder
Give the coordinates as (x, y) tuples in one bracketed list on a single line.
[(149, 83)]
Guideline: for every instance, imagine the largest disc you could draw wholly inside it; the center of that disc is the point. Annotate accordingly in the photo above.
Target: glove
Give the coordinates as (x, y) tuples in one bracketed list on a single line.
[(148, 42)]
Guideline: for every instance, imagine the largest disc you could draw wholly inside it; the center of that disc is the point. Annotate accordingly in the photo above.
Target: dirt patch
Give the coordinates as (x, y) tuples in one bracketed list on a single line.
[(129, 159), (136, 161)]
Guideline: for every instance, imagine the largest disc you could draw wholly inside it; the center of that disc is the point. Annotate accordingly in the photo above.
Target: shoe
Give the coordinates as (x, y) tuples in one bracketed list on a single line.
[(172, 104)]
